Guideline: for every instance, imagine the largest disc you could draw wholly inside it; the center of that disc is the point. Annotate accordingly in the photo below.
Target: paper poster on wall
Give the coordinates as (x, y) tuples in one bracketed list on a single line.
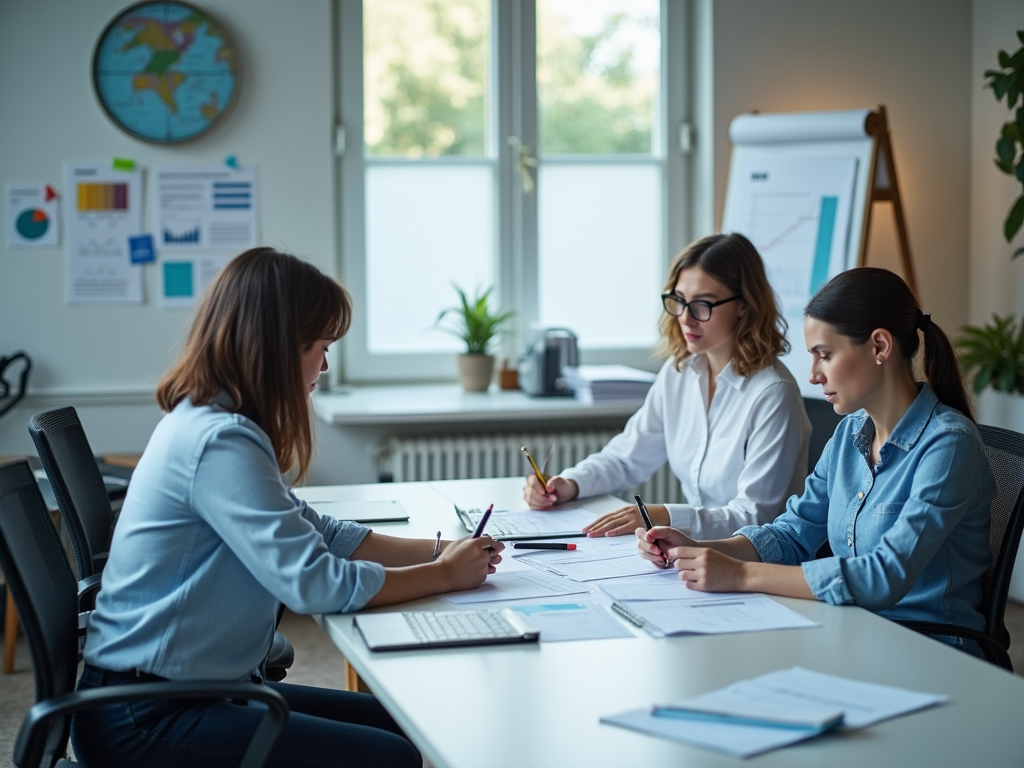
[(184, 278), (31, 216), (205, 208), (796, 211), (102, 209)]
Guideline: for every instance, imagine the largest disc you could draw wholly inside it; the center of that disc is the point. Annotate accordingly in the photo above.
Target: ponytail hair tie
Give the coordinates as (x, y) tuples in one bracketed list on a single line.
[(923, 320)]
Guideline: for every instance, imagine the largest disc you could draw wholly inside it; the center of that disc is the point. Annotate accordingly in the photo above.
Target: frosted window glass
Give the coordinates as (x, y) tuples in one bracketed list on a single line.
[(600, 243), (426, 228)]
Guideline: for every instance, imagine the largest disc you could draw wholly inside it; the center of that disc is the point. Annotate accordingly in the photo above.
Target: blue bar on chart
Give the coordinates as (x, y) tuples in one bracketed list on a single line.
[(232, 194), (191, 236), (823, 247)]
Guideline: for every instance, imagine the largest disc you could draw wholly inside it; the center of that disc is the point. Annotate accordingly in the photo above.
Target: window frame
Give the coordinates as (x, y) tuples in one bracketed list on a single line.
[(514, 113)]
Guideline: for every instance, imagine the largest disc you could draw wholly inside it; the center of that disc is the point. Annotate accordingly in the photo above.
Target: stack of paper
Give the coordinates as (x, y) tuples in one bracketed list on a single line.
[(599, 383), (774, 710)]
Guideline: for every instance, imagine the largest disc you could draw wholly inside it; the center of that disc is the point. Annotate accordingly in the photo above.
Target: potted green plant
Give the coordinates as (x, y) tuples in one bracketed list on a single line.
[(993, 355), (477, 326)]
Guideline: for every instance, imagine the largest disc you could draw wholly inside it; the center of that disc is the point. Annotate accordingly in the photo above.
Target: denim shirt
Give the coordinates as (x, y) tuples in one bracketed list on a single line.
[(909, 535), (209, 542)]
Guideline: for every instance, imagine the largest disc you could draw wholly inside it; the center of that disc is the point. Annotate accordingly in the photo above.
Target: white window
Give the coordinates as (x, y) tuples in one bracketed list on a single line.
[(514, 144)]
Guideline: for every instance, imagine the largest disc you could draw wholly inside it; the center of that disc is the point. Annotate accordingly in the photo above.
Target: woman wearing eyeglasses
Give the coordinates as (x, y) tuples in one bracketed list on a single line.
[(723, 411), (901, 492)]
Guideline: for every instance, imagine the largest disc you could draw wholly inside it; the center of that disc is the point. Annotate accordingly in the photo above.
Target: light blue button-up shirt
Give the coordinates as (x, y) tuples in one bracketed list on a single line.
[(209, 541), (909, 535)]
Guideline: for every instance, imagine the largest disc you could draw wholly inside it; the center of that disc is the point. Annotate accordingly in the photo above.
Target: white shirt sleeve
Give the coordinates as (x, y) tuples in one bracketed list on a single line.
[(631, 456), (774, 445)]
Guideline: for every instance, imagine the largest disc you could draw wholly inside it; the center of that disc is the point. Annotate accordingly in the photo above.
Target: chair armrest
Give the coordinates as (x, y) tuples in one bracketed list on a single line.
[(993, 651), (28, 748), (87, 589)]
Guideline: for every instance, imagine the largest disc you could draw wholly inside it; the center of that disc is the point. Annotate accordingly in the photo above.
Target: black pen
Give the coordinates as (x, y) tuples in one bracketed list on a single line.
[(648, 524), (541, 545), (483, 523)]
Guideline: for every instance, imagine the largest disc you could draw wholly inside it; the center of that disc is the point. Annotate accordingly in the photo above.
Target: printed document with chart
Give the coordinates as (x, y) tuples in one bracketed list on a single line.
[(102, 209), (796, 211)]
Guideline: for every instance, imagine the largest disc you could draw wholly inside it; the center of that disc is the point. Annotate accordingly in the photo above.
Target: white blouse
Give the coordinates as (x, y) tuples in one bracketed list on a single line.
[(737, 461)]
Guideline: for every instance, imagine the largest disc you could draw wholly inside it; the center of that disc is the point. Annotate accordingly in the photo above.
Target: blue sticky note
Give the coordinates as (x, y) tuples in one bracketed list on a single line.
[(178, 279), (141, 249)]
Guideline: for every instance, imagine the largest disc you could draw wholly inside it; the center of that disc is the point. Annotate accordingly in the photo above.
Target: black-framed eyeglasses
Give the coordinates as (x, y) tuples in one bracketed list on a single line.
[(699, 310)]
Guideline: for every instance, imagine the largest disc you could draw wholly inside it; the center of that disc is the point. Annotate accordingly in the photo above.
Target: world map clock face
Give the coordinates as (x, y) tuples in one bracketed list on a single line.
[(165, 72)]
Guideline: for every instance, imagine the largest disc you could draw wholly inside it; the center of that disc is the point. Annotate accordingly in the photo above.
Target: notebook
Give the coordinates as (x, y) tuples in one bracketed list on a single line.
[(410, 630), (509, 525), (362, 511)]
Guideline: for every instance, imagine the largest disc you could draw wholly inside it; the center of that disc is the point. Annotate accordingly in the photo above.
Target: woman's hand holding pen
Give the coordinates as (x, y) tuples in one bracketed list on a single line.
[(467, 561), (702, 568), (625, 520), (656, 544), (557, 491)]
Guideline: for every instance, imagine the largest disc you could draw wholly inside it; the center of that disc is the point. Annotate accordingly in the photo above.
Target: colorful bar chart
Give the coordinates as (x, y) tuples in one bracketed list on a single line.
[(102, 197)]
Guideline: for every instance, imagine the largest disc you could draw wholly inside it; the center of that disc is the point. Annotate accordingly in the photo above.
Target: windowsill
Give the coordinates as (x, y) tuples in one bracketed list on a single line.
[(448, 403)]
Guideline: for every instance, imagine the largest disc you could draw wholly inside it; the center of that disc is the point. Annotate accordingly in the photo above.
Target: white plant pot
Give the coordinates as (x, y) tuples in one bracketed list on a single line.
[(475, 372), (1007, 411)]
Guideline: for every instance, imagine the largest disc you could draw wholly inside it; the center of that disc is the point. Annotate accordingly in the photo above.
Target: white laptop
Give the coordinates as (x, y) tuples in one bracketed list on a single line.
[(409, 630), (513, 524)]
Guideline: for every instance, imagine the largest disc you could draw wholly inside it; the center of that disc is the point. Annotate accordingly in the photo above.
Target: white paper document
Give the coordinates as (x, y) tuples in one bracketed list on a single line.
[(785, 691), (663, 585), (580, 620), (206, 207), (515, 586), (714, 615), (31, 216), (595, 559), (103, 208)]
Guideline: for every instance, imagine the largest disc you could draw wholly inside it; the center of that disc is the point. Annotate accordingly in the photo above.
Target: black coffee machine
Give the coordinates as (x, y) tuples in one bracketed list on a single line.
[(540, 369)]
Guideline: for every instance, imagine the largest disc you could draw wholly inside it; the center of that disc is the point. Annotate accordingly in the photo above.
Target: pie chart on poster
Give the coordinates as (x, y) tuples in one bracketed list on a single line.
[(32, 223)]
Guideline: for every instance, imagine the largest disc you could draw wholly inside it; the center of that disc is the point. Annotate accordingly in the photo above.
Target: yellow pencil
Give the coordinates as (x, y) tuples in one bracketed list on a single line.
[(533, 464)]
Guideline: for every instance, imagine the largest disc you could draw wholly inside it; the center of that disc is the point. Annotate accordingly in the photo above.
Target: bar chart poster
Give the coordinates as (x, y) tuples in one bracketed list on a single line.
[(102, 209), (796, 211), (205, 208)]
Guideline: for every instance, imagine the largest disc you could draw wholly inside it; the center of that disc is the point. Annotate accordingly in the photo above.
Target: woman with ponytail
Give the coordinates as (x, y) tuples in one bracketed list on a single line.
[(902, 490)]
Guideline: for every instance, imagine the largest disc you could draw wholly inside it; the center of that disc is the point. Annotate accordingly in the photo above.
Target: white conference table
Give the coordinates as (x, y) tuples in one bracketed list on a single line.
[(534, 706)]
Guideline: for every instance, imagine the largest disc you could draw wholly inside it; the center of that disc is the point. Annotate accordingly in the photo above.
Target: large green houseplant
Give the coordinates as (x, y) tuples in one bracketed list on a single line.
[(477, 326), (993, 354), (1007, 83)]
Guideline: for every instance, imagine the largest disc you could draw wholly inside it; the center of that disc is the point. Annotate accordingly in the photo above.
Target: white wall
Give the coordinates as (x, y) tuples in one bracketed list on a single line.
[(913, 56), (282, 124)]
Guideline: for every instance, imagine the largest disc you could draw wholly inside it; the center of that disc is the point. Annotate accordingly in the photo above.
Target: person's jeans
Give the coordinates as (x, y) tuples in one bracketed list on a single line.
[(325, 728)]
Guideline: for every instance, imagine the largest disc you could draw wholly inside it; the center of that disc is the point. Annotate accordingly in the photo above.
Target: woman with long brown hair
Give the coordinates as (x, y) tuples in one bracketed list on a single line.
[(902, 490), (211, 540), (723, 411)]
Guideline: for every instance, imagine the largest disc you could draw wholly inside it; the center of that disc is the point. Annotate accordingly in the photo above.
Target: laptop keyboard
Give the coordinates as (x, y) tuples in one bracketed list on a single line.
[(458, 625)]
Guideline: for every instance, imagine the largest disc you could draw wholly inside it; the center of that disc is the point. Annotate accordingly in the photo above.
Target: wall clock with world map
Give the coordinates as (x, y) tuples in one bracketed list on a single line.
[(165, 72)]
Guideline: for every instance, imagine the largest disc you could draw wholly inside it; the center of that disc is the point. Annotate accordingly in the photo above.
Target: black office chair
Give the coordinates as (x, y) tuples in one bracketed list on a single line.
[(84, 506), (1005, 450), (40, 579)]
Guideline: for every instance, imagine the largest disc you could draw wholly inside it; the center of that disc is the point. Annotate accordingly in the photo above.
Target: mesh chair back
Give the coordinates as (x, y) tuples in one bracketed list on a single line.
[(1005, 450), (78, 485), (44, 591)]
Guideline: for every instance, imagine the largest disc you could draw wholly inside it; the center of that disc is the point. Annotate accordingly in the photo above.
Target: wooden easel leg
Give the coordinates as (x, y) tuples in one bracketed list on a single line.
[(10, 633)]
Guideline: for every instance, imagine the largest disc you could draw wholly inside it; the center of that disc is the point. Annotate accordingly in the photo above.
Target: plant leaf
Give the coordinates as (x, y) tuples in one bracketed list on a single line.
[(1018, 252), (1006, 151), (1014, 219)]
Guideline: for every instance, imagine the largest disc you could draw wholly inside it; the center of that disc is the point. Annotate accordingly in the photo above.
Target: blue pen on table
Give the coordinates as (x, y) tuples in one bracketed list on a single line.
[(648, 524)]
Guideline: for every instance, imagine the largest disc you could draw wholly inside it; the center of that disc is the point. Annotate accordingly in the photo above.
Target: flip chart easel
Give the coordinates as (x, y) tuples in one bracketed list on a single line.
[(801, 187)]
